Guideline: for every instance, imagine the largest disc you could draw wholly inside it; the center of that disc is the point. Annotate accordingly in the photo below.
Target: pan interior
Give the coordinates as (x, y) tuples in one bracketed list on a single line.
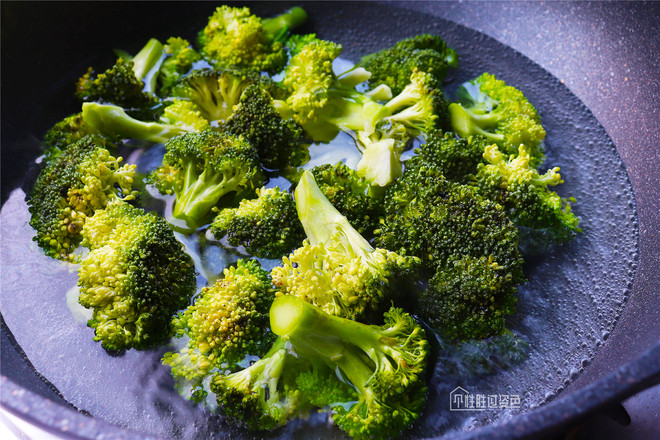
[(566, 310)]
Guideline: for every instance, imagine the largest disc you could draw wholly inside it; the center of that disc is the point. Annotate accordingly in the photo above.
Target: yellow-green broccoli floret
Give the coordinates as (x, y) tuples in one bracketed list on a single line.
[(227, 324), (73, 185), (489, 107), (385, 364), (180, 57), (526, 194), (336, 269), (135, 277), (234, 37)]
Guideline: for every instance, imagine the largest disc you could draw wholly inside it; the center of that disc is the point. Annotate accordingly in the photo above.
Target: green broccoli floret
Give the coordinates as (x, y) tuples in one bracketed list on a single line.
[(179, 60), (465, 240), (216, 92), (380, 163), (469, 298), (234, 37), (348, 192), (525, 194), (267, 227), (202, 168), (296, 42), (385, 364), (487, 106), (123, 84), (394, 65), (279, 142), (264, 395), (457, 158), (66, 132), (135, 277), (112, 121), (336, 268), (74, 184), (435, 219), (227, 324)]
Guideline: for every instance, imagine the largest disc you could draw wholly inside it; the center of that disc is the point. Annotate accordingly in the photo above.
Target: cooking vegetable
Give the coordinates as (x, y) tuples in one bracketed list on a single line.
[(135, 277)]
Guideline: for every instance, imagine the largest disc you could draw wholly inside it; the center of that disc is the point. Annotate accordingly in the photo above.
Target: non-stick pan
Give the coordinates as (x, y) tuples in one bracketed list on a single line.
[(589, 311)]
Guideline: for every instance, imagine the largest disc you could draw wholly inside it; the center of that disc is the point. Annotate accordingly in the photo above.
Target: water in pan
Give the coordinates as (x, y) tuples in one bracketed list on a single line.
[(570, 304)]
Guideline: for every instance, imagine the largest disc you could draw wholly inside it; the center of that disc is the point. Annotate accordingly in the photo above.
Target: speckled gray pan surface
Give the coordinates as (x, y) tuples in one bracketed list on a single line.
[(610, 271)]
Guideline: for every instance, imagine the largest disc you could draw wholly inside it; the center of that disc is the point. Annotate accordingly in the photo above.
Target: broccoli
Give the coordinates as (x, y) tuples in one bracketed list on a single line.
[(457, 158), (489, 107), (135, 277), (319, 100), (266, 227), (525, 194), (336, 268), (179, 60), (348, 193), (74, 184), (466, 243), (469, 298), (215, 92), (234, 37), (385, 364), (279, 142), (226, 325), (264, 395), (201, 168), (123, 83), (296, 42), (66, 132), (111, 120), (394, 65)]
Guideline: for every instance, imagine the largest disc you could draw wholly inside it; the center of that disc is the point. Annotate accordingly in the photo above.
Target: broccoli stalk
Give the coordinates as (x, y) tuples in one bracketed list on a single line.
[(385, 363), (111, 120)]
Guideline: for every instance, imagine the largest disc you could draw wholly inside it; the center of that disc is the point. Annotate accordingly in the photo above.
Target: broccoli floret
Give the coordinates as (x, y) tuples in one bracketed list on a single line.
[(227, 323), (394, 65), (234, 37), (457, 158), (179, 60), (321, 103), (296, 42), (435, 219), (487, 106), (526, 195), (264, 395), (135, 277), (202, 168), (66, 132), (336, 268), (278, 141), (111, 120), (348, 192), (266, 227), (74, 184), (216, 92), (385, 364), (123, 84), (469, 298)]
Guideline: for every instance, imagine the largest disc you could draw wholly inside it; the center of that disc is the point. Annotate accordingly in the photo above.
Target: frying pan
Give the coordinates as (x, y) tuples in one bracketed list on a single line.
[(590, 310)]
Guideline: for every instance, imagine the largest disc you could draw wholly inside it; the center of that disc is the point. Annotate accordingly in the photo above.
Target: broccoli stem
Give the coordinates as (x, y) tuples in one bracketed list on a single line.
[(112, 121), (347, 344), (283, 22), (201, 192), (467, 123), (147, 58)]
